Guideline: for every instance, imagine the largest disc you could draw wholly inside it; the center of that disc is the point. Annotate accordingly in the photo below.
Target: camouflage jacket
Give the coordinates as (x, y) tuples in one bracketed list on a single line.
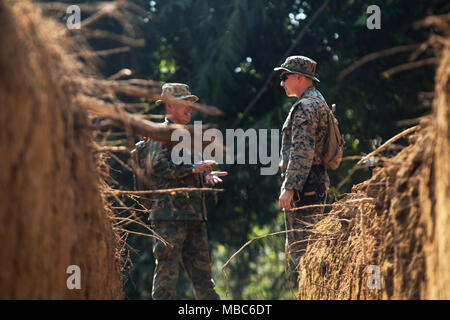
[(166, 175), (303, 136)]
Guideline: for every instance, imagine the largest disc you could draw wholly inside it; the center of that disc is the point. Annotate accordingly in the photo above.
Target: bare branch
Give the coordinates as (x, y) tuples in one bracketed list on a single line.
[(114, 149), (439, 21), (101, 34), (123, 164), (374, 56), (348, 203), (62, 7), (387, 143), (140, 234), (142, 127), (122, 73), (409, 122), (104, 53), (106, 9), (408, 66), (126, 87), (142, 224), (161, 191)]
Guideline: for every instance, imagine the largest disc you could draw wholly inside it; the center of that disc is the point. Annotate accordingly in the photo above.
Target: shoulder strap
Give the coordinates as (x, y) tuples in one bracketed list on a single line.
[(297, 103), (318, 99)]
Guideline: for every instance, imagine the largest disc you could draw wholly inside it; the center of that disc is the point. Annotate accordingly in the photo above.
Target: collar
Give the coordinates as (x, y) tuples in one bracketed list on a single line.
[(307, 91), (304, 94)]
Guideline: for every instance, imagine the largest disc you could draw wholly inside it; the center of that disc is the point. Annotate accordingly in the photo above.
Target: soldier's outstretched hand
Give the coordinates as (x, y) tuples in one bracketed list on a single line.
[(204, 166), (213, 177)]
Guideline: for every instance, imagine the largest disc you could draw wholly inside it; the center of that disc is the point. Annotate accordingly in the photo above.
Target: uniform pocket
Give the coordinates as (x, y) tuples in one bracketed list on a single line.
[(313, 190)]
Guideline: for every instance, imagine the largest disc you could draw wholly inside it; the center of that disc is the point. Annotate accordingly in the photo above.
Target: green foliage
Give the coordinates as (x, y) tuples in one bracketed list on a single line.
[(269, 274), (225, 50)]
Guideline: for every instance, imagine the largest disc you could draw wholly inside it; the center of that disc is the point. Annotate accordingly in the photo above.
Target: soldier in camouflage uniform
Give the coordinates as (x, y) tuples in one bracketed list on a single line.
[(180, 218), (303, 136)]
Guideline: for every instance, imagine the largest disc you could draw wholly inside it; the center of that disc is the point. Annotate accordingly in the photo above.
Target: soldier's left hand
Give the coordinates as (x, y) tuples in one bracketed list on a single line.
[(213, 177)]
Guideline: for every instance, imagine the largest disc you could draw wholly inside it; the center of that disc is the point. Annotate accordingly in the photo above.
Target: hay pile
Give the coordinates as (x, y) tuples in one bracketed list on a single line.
[(405, 231), (52, 213)]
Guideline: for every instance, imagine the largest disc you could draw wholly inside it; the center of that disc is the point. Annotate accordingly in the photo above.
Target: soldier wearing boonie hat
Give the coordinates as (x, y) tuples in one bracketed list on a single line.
[(304, 132), (181, 218)]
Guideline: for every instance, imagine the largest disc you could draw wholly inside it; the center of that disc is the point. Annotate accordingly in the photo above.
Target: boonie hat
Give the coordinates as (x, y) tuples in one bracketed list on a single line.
[(177, 91), (301, 65)]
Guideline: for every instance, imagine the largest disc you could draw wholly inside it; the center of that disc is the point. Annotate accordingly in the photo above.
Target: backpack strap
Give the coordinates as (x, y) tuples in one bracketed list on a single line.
[(318, 99), (317, 151)]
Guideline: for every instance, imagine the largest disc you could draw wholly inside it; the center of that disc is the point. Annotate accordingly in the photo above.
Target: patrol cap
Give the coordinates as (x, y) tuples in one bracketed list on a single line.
[(300, 64), (179, 91)]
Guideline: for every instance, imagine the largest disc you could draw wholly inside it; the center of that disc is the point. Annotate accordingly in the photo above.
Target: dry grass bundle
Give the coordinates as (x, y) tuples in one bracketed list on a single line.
[(405, 232), (57, 207), (52, 214)]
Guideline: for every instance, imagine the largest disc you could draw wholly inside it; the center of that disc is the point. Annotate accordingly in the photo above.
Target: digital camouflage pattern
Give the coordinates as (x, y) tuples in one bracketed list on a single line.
[(303, 138), (189, 245), (167, 175), (300, 64), (177, 91), (180, 219), (142, 176)]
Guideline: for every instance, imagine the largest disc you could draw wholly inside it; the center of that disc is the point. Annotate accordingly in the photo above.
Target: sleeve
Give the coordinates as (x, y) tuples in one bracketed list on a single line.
[(301, 152), (162, 165)]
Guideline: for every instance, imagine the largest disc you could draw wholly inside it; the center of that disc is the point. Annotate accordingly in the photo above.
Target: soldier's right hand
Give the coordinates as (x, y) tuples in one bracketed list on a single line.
[(204, 166), (213, 177)]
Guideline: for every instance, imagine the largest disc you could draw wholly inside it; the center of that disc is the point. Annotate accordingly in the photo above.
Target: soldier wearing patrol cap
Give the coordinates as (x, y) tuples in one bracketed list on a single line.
[(305, 180), (180, 218)]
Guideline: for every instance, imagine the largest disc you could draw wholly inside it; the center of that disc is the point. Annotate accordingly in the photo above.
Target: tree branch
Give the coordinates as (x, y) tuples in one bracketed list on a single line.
[(374, 56), (112, 36), (387, 143), (161, 191), (157, 131), (409, 66), (133, 88)]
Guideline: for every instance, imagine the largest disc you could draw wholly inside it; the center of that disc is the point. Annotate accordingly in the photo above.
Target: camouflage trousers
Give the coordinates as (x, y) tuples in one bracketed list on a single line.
[(297, 241), (189, 245)]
